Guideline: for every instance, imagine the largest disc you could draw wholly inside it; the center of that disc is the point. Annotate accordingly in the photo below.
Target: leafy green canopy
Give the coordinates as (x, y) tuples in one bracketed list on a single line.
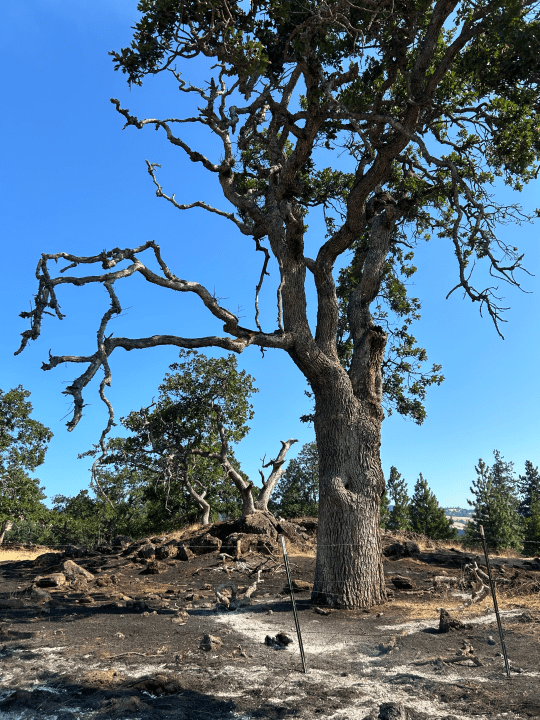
[(23, 444), (297, 492), (163, 453), (433, 110)]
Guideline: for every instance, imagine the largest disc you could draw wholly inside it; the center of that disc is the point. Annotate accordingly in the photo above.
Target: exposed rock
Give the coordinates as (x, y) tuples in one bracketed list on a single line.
[(290, 530), (52, 580), (184, 553), (46, 559), (122, 540), (74, 551), (105, 580), (166, 551), (104, 549), (403, 583), (147, 551), (447, 623), (408, 548), (72, 571), (153, 568), (280, 641), (393, 711), (204, 544), (301, 586), (239, 543), (210, 642), (309, 524)]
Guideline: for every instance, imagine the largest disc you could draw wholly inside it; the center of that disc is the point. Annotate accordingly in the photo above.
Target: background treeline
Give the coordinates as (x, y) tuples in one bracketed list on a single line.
[(138, 490)]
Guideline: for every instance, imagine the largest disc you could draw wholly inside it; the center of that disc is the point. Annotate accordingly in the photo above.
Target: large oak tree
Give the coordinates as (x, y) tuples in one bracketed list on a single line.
[(430, 101)]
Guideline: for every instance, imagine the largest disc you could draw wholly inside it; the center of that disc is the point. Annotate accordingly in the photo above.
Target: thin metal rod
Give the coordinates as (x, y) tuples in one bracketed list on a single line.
[(501, 634), (296, 622)]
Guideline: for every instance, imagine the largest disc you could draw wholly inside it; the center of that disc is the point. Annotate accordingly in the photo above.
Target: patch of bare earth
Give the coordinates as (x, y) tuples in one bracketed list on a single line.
[(127, 639)]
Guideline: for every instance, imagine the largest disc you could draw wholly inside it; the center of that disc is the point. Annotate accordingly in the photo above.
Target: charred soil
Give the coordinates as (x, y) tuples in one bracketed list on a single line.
[(191, 625)]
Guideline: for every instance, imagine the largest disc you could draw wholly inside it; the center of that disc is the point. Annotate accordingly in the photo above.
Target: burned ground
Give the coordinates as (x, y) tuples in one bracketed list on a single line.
[(125, 640)]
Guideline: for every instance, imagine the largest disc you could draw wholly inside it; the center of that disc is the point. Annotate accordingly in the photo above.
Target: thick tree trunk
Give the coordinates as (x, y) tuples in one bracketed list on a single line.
[(349, 571)]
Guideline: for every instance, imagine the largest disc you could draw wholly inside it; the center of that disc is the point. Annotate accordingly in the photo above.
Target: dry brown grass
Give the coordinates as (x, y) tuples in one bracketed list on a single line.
[(185, 531), (8, 555)]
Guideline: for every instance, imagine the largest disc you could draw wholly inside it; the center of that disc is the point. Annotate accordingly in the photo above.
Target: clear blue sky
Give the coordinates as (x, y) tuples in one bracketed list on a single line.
[(74, 181)]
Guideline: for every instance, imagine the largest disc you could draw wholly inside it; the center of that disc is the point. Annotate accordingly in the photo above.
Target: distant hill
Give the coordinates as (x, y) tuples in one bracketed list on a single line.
[(458, 512)]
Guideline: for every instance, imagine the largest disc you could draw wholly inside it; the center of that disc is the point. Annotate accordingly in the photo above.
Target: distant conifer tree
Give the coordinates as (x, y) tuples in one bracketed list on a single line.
[(397, 491), (495, 505), (532, 527), (528, 485), (384, 515), (427, 516)]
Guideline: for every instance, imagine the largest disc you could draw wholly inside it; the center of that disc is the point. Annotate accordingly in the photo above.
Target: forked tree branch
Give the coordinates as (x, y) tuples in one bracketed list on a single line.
[(46, 297)]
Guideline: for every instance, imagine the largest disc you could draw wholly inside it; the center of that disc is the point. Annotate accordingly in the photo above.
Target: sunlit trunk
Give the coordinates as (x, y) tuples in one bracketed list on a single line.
[(349, 570)]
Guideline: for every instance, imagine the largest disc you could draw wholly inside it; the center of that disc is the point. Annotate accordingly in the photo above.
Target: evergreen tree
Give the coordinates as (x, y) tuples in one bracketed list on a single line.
[(427, 517), (528, 485), (397, 490), (384, 516), (297, 492), (495, 505), (532, 527)]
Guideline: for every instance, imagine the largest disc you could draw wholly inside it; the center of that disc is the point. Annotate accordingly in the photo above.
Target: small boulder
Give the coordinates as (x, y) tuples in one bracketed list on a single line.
[(447, 623), (52, 580), (210, 642), (122, 540), (290, 530), (205, 544), (184, 553), (282, 640), (152, 568), (399, 550), (403, 583), (147, 551), (72, 571), (165, 552)]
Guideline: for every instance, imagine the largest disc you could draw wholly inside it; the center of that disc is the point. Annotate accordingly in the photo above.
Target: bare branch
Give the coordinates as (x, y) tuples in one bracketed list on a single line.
[(245, 229)]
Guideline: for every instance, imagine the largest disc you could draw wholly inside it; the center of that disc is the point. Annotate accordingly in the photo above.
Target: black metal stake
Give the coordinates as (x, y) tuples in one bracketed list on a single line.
[(501, 634), (299, 634)]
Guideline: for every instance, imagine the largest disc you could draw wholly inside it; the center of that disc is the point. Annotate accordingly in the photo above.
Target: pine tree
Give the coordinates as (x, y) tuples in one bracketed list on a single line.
[(528, 485), (427, 516), (384, 515), (532, 527), (397, 490), (495, 505)]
